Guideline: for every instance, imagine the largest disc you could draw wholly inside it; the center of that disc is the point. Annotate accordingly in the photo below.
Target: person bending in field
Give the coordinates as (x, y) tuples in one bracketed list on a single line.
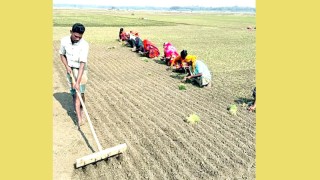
[(253, 106), (149, 49), (198, 72), (123, 36), (137, 44), (74, 56), (169, 54), (180, 64), (131, 39)]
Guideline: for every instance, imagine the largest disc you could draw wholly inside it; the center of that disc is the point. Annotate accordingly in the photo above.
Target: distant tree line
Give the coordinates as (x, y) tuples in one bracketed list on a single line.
[(172, 8), (223, 9)]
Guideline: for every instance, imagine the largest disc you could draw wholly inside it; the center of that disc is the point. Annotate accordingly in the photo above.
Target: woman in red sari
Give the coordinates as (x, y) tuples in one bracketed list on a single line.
[(150, 50)]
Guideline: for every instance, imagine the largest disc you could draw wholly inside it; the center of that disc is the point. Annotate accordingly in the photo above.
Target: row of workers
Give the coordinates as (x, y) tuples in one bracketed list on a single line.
[(196, 69)]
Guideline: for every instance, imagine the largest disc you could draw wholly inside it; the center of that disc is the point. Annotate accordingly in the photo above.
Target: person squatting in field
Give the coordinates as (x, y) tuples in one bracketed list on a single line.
[(123, 36), (180, 63), (149, 49), (253, 106), (169, 53), (131, 39), (74, 55), (136, 43), (199, 71)]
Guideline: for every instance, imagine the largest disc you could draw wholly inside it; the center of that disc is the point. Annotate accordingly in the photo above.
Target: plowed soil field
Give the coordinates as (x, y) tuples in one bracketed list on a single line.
[(135, 100)]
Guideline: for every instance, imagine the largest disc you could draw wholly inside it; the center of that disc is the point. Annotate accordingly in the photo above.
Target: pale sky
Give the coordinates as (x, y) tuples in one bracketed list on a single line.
[(162, 3)]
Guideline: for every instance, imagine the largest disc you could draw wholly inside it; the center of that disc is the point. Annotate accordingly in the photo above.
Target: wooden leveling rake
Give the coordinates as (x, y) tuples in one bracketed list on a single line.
[(102, 154)]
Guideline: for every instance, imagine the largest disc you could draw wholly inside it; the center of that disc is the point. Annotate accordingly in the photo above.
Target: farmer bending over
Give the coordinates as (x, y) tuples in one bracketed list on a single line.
[(199, 71), (137, 43), (179, 63), (123, 36), (74, 55), (170, 53), (149, 49)]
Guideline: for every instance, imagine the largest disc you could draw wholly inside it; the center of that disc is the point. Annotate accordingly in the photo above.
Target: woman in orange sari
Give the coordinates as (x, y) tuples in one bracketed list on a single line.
[(180, 62)]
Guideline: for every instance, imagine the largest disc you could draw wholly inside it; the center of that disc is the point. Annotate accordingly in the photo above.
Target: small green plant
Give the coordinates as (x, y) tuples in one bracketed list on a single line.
[(233, 109), (193, 118), (182, 87)]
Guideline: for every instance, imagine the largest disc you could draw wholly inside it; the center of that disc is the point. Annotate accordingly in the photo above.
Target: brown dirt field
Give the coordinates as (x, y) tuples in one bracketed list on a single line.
[(136, 102)]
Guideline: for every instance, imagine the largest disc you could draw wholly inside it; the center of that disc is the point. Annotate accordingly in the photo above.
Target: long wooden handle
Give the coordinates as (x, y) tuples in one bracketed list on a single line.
[(87, 115)]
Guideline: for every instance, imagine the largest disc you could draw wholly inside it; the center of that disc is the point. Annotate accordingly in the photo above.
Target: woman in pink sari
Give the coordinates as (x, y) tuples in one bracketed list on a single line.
[(170, 53)]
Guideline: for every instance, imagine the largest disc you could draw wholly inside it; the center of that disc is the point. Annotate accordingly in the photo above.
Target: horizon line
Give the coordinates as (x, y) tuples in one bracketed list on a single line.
[(155, 6)]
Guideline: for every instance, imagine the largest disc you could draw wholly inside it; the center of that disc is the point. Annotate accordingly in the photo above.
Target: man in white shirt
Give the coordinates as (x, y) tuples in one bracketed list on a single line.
[(74, 55)]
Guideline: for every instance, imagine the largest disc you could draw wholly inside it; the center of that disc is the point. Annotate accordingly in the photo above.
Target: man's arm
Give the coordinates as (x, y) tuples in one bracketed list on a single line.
[(64, 61), (80, 73), (83, 60), (175, 60), (191, 76)]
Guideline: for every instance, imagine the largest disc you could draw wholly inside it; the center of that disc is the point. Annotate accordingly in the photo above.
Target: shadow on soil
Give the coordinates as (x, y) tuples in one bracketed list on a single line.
[(181, 75), (245, 102), (178, 76), (159, 61), (242, 100), (65, 99)]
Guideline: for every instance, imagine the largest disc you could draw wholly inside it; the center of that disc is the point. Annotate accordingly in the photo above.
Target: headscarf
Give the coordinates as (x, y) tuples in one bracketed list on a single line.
[(146, 44), (193, 59)]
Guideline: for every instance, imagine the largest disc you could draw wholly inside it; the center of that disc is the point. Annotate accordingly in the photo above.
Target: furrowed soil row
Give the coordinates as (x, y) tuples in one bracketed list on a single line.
[(140, 114), (118, 119), (112, 127)]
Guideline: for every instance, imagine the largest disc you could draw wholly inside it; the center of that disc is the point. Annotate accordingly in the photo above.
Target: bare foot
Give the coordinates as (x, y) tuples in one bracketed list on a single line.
[(207, 86), (81, 114), (81, 123), (252, 108)]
